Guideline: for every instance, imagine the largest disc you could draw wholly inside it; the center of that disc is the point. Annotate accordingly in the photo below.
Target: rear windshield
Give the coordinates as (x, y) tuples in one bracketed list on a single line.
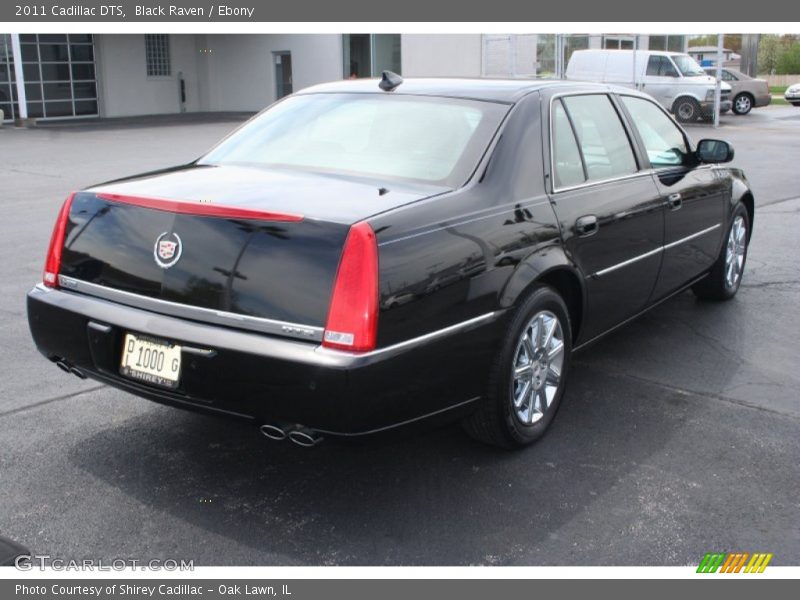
[(433, 140)]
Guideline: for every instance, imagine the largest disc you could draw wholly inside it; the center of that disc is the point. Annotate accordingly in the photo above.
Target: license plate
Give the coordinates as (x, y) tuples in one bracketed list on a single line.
[(151, 361)]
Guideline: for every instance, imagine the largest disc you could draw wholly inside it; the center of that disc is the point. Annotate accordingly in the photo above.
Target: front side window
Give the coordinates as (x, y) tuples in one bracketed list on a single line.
[(661, 66), (434, 140), (662, 139), (604, 145)]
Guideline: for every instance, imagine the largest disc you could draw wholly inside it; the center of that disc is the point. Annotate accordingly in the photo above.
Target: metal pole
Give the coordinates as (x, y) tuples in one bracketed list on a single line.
[(513, 54), (16, 51), (718, 89)]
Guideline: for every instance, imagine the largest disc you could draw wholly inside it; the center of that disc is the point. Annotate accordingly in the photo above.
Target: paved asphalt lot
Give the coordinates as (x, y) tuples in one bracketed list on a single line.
[(679, 434)]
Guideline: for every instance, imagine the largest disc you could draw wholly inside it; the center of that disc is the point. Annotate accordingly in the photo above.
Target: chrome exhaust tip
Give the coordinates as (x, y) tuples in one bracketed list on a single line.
[(77, 372), (305, 437), (62, 365), (273, 432)]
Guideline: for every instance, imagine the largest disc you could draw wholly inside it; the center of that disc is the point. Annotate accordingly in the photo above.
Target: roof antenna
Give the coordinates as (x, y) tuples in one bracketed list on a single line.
[(389, 81)]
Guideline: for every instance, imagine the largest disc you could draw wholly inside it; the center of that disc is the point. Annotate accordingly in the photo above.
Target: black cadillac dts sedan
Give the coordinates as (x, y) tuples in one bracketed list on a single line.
[(367, 255)]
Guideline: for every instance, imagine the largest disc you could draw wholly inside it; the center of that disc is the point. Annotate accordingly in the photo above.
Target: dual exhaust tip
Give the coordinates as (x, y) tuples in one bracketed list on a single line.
[(302, 436), (67, 368)]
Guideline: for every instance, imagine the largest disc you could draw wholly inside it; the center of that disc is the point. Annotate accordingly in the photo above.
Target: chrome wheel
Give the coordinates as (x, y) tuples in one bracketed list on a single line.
[(734, 253), (538, 360), (742, 104)]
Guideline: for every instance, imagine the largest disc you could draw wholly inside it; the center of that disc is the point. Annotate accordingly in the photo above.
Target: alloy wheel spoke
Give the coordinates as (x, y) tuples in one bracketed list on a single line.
[(541, 400), (528, 345), (550, 331), (555, 350), (540, 331), (523, 372), (522, 398)]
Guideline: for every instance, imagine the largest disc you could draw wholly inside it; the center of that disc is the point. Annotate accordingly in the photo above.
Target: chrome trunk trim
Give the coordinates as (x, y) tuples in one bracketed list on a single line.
[(195, 313)]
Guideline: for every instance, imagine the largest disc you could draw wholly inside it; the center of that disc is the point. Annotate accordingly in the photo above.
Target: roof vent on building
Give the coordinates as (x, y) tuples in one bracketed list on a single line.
[(389, 81)]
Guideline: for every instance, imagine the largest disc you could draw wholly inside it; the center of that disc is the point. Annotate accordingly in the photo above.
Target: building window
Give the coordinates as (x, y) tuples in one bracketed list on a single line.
[(672, 43), (59, 74), (7, 86), (618, 42), (368, 55), (156, 48)]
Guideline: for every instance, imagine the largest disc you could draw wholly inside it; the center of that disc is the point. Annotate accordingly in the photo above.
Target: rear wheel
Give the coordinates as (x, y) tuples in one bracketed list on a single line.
[(528, 376), (742, 104), (686, 110), (726, 274)]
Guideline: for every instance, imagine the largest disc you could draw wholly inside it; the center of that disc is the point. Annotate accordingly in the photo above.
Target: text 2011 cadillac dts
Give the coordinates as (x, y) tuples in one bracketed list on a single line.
[(363, 256)]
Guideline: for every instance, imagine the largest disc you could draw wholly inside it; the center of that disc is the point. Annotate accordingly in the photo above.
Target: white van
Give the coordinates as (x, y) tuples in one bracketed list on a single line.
[(673, 78)]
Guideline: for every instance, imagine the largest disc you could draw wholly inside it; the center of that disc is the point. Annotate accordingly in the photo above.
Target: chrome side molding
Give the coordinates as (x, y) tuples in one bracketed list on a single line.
[(654, 251)]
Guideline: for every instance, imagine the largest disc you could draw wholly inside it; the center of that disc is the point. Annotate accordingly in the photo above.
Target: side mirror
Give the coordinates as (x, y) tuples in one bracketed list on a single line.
[(714, 151)]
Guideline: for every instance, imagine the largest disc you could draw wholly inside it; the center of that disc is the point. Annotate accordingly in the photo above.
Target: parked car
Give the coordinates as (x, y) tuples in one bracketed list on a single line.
[(747, 92), (792, 94), (673, 78), (253, 281)]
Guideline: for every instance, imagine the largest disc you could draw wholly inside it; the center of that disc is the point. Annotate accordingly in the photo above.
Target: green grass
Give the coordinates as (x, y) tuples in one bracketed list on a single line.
[(779, 101), (777, 89)]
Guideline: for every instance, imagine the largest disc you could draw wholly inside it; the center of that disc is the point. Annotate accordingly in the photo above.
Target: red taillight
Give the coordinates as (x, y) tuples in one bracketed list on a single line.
[(353, 315), (52, 264)]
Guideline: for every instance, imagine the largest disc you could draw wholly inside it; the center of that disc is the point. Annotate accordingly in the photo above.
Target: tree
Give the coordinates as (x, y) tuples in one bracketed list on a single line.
[(770, 49), (789, 61), (730, 41), (733, 41)]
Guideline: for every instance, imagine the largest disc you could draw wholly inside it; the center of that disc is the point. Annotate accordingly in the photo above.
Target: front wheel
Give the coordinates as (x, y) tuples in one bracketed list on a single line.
[(687, 110), (725, 277), (528, 375)]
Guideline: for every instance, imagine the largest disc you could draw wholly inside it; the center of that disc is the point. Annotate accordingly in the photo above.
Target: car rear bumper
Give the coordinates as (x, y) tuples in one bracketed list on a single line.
[(268, 379), (762, 100)]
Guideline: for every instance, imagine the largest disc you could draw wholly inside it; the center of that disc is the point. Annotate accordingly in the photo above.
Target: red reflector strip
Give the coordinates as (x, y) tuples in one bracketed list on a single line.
[(200, 209)]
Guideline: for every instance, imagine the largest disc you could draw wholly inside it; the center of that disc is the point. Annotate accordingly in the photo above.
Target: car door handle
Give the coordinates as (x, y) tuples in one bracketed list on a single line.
[(675, 201), (586, 226)]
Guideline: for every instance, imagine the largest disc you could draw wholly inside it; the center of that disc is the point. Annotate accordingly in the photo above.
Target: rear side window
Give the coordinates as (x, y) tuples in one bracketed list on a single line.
[(568, 166), (604, 145), (662, 139)]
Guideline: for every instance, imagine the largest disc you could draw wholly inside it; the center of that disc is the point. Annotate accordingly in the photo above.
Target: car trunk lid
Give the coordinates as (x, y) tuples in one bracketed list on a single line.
[(237, 243)]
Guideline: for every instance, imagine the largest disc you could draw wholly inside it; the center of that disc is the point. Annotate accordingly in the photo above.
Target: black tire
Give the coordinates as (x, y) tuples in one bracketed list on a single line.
[(686, 110), (795, 103), (743, 103), (717, 285), (496, 421)]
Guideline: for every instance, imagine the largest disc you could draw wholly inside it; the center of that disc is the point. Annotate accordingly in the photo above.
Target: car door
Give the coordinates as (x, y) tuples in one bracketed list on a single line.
[(662, 80), (609, 208), (693, 195)]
